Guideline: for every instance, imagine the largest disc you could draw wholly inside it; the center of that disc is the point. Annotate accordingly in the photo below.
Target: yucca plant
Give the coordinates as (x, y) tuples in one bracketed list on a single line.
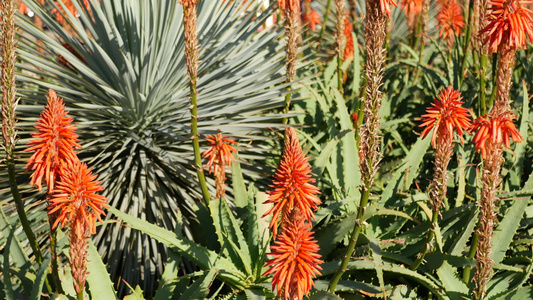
[(120, 66)]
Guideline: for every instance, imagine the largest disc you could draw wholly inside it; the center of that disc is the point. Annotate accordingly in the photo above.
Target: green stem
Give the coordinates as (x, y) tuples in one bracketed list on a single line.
[(54, 263), (429, 240), (196, 143), (324, 24), (353, 241), (482, 83), (339, 74), (21, 212), (471, 254), (286, 107), (79, 296), (467, 42)]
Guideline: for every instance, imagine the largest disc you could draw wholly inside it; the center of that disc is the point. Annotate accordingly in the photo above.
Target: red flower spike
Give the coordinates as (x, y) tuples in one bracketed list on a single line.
[(295, 261), (445, 115), (509, 23), (385, 6), (292, 184), (348, 29), (76, 200), (293, 5), (311, 18), (53, 144), (219, 155), (450, 20), (412, 7), (491, 129)]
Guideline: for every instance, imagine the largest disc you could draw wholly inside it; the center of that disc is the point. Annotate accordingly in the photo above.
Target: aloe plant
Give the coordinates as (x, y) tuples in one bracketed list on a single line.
[(120, 66)]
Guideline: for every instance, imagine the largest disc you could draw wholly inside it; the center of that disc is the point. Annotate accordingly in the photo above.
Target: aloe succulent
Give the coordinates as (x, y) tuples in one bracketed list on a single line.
[(120, 66)]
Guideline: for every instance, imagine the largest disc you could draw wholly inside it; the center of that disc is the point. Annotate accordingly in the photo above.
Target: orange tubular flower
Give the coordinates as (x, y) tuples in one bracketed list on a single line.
[(78, 205), (412, 7), (76, 200), (451, 20), (293, 5), (445, 115), (348, 29), (53, 144), (311, 18), (385, 6), (292, 184), (218, 156), (498, 129), (509, 22), (295, 261)]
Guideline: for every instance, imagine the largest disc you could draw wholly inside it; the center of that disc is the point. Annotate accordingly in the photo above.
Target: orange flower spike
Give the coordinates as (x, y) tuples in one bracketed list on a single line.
[(445, 115), (293, 5), (311, 18), (76, 198), (450, 20), (220, 151), (509, 23), (295, 261), (412, 7), (348, 29), (385, 6), (53, 143), (498, 129), (291, 184)]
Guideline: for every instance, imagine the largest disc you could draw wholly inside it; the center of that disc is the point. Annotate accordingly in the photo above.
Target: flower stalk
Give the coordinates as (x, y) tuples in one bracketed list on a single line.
[(191, 57), (219, 155), (341, 39), (9, 106), (378, 12), (443, 117), (291, 12), (295, 260)]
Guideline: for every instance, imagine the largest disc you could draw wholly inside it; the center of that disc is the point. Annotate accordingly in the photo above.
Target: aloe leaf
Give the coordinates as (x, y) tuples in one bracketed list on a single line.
[(350, 286), (41, 277), (455, 288), (8, 288), (329, 236), (136, 294), (351, 176), (17, 254), (199, 255), (100, 284), (166, 286), (505, 283), (520, 149), (330, 268), (323, 295), (504, 233), (200, 287), (378, 262), (239, 188), (410, 163)]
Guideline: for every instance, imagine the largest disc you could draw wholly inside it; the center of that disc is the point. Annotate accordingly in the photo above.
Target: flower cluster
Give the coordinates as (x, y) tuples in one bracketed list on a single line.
[(496, 130), (289, 5), (54, 143), (295, 259), (446, 115), (509, 23), (384, 5), (72, 188), (450, 20), (219, 155), (348, 29), (311, 18)]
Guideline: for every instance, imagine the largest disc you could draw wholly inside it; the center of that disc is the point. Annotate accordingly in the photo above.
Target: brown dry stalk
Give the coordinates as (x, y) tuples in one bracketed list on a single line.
[(478, 23), (369, 131), (438, 187), (9, 59), (491, 180), (78, 259), (339, 35), (191, 39), (292, 31), (506, 62)]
